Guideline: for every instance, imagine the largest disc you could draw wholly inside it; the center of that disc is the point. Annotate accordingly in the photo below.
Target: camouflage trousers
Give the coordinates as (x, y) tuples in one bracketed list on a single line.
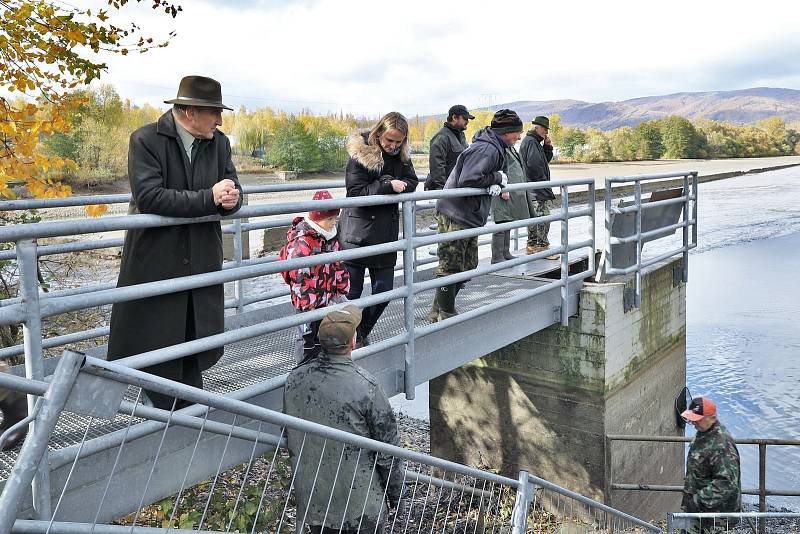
[(455, 256), (537, 233)]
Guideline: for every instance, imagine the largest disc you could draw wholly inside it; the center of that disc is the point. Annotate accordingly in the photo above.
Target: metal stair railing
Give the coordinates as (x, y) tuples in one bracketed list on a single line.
[(261, 494)]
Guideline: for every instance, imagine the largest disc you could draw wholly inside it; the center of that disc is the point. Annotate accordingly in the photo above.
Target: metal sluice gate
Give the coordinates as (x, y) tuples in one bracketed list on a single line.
[(89, 457)]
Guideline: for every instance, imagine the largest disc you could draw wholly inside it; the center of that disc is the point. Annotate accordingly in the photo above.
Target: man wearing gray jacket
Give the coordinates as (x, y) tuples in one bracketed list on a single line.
[(333, 391), (446, 146)]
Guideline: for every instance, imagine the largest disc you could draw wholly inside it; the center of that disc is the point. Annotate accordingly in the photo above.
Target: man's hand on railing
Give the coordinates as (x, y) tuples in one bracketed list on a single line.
[(494, 190)]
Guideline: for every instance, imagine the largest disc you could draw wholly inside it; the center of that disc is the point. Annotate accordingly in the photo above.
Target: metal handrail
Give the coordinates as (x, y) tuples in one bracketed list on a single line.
[(639, 237), (30, 308)]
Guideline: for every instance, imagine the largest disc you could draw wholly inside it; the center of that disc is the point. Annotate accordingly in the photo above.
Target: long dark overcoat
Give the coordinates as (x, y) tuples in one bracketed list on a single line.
[(164, 182)]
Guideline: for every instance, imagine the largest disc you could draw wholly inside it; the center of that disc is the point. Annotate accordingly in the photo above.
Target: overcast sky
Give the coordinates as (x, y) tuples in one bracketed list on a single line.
[(420, 57)]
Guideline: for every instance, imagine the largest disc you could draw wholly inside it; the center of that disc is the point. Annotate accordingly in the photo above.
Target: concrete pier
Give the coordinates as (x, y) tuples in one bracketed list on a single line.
[(545, 403)]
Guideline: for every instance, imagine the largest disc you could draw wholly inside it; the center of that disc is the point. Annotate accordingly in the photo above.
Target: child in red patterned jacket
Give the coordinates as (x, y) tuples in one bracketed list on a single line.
[(319, 285)]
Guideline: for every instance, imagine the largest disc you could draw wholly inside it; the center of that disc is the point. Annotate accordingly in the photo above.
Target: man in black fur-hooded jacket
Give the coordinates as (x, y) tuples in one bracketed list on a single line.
[(479, 166)]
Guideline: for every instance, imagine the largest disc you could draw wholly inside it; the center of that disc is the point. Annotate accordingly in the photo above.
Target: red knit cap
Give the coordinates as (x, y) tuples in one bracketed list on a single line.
[(319, 215)]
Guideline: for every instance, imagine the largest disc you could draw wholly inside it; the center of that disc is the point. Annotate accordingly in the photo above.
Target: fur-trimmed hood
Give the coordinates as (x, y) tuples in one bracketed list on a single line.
[(371, 156)]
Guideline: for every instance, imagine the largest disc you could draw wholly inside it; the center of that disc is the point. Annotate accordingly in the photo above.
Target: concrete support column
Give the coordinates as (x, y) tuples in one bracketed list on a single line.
[(545, 403)]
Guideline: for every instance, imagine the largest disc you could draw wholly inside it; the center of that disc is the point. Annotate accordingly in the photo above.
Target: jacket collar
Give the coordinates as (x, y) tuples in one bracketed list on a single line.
[(712, 430), (536, 136), (335, 358), (453, 129), (166, 125), (367, 155)]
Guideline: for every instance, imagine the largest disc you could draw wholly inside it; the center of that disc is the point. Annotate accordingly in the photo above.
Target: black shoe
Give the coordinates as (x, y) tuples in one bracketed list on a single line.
[(15, 409)]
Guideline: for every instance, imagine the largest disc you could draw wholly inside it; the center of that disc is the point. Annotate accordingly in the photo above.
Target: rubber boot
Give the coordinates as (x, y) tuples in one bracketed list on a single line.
[(507, 246), (447, 301), (497, 247), (15, 409), (433, 314)]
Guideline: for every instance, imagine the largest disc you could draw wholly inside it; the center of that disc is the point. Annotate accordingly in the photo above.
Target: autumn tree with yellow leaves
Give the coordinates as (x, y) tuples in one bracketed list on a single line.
[(48, 49)]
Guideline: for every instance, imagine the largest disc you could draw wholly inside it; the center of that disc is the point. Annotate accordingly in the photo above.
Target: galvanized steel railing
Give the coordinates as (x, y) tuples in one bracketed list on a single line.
[(32, 306), (689, 201), (261, 495), (54, 303)]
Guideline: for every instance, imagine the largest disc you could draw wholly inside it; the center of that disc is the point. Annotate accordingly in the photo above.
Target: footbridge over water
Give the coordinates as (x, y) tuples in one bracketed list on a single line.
[(502, 304)]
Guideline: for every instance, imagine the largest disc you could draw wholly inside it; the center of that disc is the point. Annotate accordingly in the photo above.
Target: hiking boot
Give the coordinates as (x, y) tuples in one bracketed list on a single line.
[(532, 249)]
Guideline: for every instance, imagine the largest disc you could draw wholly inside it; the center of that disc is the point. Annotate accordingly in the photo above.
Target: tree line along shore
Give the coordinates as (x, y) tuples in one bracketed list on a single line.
[(267, 140)]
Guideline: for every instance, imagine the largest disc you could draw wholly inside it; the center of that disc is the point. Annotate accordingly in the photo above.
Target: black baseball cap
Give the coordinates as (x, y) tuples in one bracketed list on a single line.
[(458, 109)]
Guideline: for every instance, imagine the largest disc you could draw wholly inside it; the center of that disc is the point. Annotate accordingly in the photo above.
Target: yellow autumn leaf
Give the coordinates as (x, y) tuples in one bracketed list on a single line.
[(96, 210)]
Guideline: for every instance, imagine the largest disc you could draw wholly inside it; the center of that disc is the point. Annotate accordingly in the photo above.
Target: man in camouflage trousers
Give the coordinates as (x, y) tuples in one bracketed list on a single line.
[(479, 166), (713, 481), (333, 391)]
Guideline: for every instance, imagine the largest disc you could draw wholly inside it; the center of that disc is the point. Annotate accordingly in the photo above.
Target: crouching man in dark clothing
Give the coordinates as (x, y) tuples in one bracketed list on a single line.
[(481, 165), (341, 491)]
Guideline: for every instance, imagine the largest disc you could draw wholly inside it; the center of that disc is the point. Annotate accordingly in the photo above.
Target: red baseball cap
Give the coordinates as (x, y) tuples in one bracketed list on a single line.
[(700, 407)]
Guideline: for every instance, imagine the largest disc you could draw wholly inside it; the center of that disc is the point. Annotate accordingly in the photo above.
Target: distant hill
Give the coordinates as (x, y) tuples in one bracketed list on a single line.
[(742, 106)]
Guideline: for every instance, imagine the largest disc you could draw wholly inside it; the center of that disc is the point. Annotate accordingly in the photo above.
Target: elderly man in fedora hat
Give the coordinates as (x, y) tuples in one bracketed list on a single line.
[(536, 152), (179, 166)]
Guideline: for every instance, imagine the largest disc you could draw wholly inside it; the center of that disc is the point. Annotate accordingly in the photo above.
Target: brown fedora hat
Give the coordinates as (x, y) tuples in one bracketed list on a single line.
[(199, 91)]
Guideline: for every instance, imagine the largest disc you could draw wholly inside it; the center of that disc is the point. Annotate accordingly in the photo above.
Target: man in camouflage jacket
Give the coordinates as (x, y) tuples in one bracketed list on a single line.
[(713, 475), (333, 391)]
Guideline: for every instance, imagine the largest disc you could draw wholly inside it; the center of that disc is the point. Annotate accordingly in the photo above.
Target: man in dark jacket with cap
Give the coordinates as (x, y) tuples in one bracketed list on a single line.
[(478, 166), (536, 152), (355, 486), (713, 473), (178, 167), (446, 146)]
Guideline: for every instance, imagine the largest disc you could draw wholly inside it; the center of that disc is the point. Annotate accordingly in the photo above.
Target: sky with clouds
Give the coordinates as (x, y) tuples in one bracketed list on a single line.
[(420, 57)]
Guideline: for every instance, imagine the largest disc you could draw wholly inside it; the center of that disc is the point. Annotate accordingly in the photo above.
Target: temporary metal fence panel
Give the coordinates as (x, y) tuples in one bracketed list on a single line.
[(643, 231), (762, 491), (268, 489), (719, 523)]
